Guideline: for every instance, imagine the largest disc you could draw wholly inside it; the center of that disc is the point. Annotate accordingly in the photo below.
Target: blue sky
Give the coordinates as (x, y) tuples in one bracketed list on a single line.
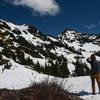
[(54, 16)]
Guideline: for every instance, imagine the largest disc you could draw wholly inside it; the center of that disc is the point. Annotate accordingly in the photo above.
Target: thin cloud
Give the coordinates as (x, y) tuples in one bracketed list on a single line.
[(92, 26), (43, 7)]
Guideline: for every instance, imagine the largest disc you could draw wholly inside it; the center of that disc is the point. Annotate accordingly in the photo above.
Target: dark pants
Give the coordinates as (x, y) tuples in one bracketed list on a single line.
[(93, 77)]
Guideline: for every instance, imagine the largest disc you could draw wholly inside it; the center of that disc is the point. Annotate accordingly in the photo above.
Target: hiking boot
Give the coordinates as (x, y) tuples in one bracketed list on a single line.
[(93, 92)]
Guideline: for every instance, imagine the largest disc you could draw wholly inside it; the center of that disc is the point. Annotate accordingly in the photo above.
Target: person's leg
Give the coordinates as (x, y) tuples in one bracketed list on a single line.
[(93, 83), (98, 81)]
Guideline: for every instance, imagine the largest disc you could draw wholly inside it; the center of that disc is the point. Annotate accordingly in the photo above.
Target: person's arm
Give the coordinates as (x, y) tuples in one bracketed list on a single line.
[(88, 60)]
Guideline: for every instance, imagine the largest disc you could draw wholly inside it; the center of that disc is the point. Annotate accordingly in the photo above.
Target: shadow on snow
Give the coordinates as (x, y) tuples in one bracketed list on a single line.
[(83, 93)]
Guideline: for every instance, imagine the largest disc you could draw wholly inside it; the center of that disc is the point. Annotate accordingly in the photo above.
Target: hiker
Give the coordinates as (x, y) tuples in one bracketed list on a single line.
[(95, 71)]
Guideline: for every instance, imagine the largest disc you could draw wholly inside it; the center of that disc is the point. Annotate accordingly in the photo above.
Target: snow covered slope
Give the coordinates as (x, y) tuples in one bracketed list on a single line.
[(26, 44), (28, 50), (81, 41), (20, 77), (84, 44)]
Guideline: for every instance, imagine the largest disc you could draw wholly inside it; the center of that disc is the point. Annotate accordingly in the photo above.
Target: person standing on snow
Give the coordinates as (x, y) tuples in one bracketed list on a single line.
[(95, 71)]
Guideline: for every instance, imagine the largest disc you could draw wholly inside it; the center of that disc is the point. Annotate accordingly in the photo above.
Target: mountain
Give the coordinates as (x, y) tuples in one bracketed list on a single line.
[(79, 40), (27, 55), (27, 45)]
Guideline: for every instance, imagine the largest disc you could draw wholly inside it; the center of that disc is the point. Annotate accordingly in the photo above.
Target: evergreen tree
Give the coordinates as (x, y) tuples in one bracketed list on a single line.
[(64, 69), (55, 69), (0, 56), (38, 68), (20, 56), (81, 69), (29, 61), (46, 69)]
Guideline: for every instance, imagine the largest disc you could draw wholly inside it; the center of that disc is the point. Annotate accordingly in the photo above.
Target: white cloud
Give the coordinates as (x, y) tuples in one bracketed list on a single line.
[(90, 26), (44, 7)]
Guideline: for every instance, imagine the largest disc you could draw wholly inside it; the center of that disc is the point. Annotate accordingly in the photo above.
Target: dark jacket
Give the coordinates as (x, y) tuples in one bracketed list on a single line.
[(95, 66)]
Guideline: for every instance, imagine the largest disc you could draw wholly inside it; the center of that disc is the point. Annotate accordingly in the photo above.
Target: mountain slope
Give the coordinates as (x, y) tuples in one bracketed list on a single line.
[(81, 40), (26, 45), (85, 44), (25, 50)]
